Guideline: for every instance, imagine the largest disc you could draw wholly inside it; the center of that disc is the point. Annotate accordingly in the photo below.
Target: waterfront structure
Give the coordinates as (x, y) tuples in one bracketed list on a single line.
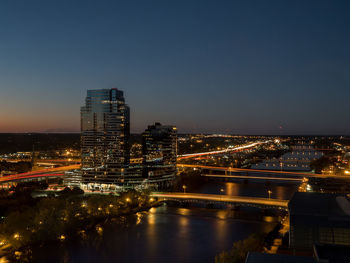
[(159, 151), (322, 253), (105, 131), (318, 218)]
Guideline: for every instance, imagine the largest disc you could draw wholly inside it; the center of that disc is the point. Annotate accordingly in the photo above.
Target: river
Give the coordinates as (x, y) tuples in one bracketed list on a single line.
[(170, 234)]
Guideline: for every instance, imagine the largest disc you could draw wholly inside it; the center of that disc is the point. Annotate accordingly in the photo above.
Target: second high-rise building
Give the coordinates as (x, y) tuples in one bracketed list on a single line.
[(159, 149)]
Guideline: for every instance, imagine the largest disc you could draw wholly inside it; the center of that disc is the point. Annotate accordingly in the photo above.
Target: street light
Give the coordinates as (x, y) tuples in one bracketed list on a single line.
[(269, 192), (222, 192), (184, 187)]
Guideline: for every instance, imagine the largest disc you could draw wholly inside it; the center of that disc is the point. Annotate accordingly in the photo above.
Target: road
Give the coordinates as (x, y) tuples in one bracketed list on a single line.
[(51, 172), (229, 149)]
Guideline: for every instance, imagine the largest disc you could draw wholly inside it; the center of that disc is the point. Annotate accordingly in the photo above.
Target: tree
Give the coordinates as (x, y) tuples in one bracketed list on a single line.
[(239, 250)]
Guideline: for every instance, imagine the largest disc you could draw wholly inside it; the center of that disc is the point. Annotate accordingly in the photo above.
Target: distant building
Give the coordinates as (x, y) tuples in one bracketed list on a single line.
[(105, 131), (159, 150), (7, 173), (318, 218)]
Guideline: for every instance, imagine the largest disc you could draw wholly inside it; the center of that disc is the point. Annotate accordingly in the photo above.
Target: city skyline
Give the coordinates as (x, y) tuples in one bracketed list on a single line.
[(175, 131), (238, 68)]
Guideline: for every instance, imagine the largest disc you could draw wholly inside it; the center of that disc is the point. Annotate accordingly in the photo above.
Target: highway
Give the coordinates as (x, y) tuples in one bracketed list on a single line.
[(229, 149), (222, 198), (50, 172)]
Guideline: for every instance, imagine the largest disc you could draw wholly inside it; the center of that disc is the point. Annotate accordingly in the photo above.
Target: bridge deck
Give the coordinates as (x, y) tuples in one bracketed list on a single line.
[(249, 172), (223, 198)]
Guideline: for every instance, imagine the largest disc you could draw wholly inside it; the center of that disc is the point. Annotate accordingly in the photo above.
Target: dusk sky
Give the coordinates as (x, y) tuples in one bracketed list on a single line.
[(242, 67)]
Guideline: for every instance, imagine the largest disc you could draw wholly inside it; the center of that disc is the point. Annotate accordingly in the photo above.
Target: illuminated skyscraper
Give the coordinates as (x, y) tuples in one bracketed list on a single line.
[(159, 151), (105, 132)]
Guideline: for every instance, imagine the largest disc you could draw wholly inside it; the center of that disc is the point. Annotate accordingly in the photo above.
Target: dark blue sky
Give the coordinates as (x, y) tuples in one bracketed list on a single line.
[(257, 67)]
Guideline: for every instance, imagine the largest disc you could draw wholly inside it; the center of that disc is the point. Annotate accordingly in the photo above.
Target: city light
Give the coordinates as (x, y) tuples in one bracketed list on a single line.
[(269, 192), (189, 131)]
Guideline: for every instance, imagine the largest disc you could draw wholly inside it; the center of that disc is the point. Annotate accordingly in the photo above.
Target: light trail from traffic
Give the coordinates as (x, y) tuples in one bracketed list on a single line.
[(230, 149), (39, 173)]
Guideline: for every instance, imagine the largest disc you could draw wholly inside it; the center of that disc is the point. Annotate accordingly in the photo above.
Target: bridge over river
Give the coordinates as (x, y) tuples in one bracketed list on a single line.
[(211, 198)]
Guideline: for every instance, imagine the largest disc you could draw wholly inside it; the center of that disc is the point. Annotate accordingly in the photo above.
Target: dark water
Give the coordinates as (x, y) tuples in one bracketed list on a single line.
[(169, 234), (278, 191), (163, 234)]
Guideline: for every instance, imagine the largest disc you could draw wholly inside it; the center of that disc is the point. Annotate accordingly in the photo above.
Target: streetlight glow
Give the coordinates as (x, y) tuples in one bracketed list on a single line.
[(269, 192)]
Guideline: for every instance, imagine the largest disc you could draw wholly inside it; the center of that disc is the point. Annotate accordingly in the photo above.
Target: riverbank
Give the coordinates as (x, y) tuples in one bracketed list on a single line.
[(57, 219)]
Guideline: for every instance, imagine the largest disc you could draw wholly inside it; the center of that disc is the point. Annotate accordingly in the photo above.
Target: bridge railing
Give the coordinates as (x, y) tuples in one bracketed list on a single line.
[(245, 200)]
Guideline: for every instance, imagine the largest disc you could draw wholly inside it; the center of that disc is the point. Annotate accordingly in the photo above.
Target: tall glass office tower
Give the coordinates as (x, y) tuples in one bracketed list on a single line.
[(105, 132)]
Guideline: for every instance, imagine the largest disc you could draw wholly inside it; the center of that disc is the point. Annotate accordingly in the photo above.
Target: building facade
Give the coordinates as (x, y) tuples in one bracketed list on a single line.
[(318, 218), (159, 152), (105, 132)]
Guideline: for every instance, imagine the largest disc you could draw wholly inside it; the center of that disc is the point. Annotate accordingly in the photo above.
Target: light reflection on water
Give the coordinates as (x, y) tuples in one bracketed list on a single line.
[(231, 189), (184, 211), (269, 219), (169, 234), (222, 214), (279, 191)]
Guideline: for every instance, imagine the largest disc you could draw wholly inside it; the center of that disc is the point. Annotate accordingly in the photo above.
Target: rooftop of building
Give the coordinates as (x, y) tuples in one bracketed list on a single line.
[(332, 253), (319, 204), (256, 257)]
